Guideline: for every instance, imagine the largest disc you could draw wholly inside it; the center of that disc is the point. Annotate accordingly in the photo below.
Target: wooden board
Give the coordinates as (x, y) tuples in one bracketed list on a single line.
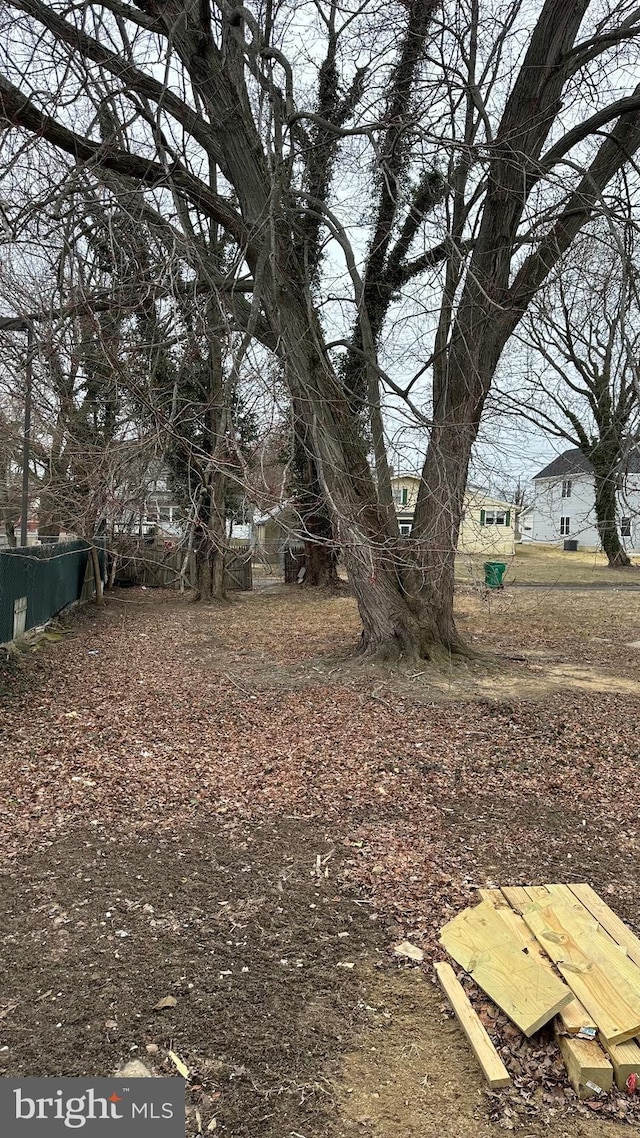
[(604, 942), (517, 896), (483, 941), (585, 1063), (573, 1016), (625, 1058), (565, 894), (492, 1066), (604, 981), (538, 893), (608, 919)]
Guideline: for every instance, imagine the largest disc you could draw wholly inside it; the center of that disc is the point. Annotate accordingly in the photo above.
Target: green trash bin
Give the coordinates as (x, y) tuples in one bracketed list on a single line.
[(494, 571)]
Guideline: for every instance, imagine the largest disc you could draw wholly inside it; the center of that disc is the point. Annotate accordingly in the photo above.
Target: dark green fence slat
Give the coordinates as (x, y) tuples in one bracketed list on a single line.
[(49, 576)]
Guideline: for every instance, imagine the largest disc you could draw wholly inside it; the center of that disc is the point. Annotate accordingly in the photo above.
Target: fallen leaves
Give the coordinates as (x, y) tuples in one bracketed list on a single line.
[(429, 803), (164, 1003)]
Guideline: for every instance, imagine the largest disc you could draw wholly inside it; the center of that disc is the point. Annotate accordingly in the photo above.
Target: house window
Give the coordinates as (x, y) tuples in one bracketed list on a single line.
[(625, 527), (405, 496), (565, 525), (397, 496), (495, 517), (405, 530), (566, 488)]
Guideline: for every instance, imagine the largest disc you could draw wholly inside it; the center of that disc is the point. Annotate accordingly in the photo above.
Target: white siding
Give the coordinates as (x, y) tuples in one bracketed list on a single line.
[(549, 507)]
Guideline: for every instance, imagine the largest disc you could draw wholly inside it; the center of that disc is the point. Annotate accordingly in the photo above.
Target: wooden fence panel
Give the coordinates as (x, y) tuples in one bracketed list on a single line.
[(238, 570), (294, 560), (140, 564)]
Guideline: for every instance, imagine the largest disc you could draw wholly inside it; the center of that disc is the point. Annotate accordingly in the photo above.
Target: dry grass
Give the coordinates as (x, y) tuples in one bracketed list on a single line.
[(555, 638), (548, 565), (554, 618), (530, 642)]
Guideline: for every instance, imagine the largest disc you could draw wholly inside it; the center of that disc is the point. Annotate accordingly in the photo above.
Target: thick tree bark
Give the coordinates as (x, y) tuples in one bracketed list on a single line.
[(393, 603), (321, 566), (209, 582), (97, 575), (316, 525), (210, 543), (438, 512), (606, 511)]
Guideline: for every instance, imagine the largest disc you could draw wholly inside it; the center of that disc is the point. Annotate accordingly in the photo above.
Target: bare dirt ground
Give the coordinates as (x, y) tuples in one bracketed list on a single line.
[(219, 805)]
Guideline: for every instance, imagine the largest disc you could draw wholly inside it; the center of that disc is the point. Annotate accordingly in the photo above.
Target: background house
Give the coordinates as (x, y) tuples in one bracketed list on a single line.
[(563, 504), (146, 505), (273, 532), (488, 524)]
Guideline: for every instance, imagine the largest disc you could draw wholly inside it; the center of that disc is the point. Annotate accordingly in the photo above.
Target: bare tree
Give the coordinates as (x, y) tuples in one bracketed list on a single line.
[(526, 161), (582, 383), (131, 318), (10, 440)]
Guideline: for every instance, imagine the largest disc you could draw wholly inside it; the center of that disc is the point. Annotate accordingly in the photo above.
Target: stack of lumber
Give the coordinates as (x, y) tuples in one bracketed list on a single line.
[(557, 955)]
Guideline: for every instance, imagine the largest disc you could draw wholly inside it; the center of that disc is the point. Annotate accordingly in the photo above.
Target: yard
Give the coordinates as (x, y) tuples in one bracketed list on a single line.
[(218, 805), (549, 565)]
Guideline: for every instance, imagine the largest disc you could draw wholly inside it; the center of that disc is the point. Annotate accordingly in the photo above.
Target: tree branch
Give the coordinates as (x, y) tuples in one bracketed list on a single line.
[(18, 109)]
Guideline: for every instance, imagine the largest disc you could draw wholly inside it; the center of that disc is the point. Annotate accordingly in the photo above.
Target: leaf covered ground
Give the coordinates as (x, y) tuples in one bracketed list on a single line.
[(219, 805)]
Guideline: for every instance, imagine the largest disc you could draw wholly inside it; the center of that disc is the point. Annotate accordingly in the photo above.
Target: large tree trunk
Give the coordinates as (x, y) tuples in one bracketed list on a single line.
[(97, 575), (316, 526), (210, 543), (209, 565), (399, 612), (394, 605), (460, 389), (321, 570), (606, 511)]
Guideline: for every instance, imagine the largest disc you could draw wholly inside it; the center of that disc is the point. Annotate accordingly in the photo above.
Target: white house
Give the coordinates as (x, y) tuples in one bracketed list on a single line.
[(563, 505), (145, 503)]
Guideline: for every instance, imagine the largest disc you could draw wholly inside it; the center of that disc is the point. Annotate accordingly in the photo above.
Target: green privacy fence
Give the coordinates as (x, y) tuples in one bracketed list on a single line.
[(38, 581)]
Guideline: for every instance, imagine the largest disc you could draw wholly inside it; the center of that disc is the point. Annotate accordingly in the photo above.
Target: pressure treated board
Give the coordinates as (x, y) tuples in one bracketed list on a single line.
[(608, 919), (605, 982), (585, 1063), (595, 936), (493, 895), (625, 1058), (565, 894), (538, 893), (517, 896), (482, 941), (574, 1017), (493, 1068)]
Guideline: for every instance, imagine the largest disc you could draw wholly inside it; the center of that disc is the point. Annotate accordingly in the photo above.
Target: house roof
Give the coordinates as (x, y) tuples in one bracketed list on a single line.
[(569, 462), (475, 492), (275, 512), (575, 462), (475, 497)]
